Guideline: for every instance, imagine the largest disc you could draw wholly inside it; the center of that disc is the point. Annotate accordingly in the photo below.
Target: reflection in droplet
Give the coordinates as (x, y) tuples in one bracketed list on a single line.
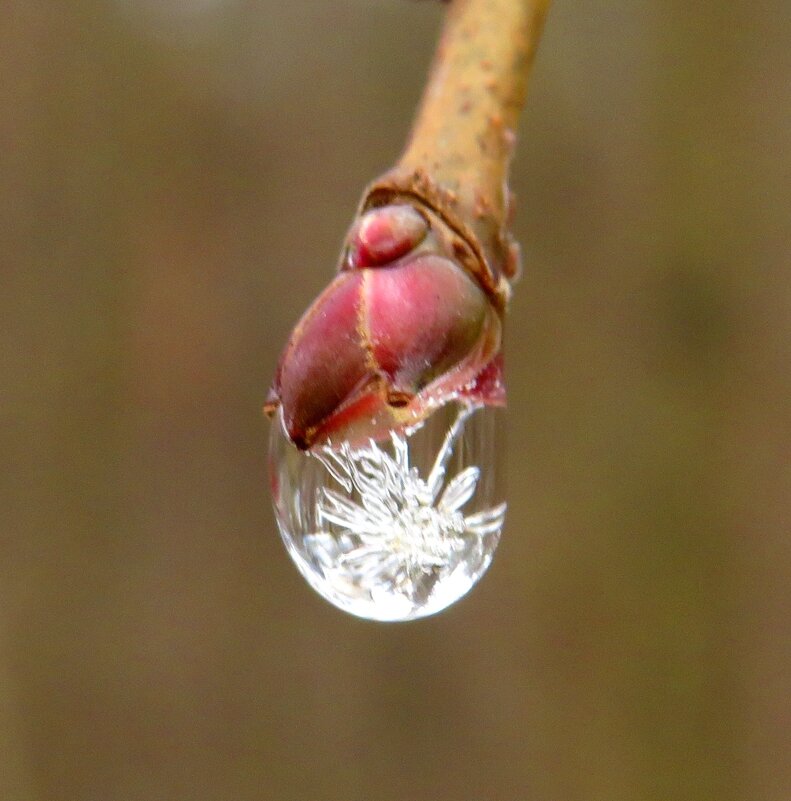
[(395, 529)]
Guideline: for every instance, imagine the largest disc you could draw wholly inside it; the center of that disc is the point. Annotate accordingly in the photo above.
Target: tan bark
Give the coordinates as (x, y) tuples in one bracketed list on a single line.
[(457, 158)]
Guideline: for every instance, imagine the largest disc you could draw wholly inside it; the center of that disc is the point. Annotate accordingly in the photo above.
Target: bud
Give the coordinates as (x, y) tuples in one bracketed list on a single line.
[(385, 234), (401, 330)]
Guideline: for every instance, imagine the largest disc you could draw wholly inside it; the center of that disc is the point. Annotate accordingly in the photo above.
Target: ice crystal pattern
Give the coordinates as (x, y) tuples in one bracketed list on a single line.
[(397, 533)]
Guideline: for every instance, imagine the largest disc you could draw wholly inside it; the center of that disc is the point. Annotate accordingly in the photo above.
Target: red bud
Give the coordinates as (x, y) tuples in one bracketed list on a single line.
[(380, 347), (385, 234)]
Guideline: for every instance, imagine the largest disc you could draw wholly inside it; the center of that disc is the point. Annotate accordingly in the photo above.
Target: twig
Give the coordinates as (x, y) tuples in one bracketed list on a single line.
[(458, 155)]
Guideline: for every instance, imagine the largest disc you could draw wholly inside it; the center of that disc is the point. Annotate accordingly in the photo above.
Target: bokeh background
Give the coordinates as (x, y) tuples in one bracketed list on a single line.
[(175, 180)]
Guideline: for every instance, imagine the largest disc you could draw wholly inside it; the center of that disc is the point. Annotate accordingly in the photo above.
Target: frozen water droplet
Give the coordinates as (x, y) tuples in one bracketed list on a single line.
[(395, 529)]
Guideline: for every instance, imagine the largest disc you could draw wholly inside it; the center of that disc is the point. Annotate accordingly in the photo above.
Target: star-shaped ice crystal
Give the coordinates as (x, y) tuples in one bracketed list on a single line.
[(392, 529)]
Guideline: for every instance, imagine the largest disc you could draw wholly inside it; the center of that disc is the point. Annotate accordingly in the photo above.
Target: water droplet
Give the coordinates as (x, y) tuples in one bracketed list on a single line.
[(395, 529)]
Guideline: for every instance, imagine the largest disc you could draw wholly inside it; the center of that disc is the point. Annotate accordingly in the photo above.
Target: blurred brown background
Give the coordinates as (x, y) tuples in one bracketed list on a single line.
[(175, 179)]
